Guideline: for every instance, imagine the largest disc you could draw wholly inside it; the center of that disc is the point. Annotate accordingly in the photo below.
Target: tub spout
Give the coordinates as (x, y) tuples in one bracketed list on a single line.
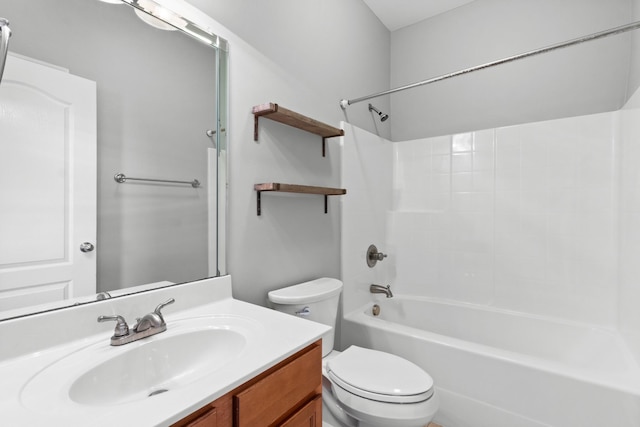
[(379, 289)]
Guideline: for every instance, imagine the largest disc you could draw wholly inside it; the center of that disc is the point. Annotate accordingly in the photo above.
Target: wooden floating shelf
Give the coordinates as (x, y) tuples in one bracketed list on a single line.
[(300, 189), (294, 188), (280, 114)]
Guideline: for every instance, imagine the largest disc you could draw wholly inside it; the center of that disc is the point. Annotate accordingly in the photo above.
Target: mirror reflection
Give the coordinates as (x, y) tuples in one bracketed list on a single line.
[(108, 116)]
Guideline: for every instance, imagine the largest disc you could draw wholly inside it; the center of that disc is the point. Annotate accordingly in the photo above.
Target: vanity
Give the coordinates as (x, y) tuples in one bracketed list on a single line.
[(289, 394), (221, 362)]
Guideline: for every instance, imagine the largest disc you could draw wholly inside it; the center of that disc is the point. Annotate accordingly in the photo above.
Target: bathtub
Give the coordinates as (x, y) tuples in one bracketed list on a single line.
[(498, 368)]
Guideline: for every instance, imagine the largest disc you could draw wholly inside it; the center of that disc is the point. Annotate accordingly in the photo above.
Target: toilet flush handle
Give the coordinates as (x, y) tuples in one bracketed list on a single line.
[(304, 312)]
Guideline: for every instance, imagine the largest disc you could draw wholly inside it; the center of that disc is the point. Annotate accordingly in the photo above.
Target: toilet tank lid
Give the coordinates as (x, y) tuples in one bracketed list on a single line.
[(307, 292)]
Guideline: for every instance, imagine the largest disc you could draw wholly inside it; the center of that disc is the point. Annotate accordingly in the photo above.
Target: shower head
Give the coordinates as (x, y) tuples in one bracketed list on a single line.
[(383, 116)]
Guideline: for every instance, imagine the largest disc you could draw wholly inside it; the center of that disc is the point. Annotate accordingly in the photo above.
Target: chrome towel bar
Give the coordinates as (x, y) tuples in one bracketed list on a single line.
[(121, 178)]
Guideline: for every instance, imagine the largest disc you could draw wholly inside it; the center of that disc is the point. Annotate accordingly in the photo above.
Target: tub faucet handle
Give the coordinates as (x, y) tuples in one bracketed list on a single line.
[(379, 256), (373, 256)]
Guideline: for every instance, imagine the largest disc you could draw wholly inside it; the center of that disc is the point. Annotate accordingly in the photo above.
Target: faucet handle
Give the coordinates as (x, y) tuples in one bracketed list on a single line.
[(163, 305), (373, 256), (121, 330)]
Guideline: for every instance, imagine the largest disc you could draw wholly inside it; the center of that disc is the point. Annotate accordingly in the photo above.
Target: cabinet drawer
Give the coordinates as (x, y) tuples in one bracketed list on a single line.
[(275, 395), (308, 416)]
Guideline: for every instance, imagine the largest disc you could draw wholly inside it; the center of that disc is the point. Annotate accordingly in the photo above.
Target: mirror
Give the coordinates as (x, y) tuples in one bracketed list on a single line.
[(108, 117)]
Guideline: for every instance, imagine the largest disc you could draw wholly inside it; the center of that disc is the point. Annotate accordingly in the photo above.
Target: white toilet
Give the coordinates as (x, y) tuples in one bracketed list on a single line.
[(361, 387)]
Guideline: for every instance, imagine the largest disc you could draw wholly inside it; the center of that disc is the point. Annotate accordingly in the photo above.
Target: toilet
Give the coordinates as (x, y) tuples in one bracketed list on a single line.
[(360, 387)]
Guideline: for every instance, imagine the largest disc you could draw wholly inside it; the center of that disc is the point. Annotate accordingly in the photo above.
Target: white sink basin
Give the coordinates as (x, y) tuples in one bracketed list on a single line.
[(157, 366), (104, 375)]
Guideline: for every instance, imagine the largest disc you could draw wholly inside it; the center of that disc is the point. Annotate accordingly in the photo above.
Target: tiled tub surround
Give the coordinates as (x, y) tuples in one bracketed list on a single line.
[(539, 221), (522, 218), (37, 342)]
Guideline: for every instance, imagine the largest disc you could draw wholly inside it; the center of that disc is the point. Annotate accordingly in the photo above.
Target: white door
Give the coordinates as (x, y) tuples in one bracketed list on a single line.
[(47, 184)]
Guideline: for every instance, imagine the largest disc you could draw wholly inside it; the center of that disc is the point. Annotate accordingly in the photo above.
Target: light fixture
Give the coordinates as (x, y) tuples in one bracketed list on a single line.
[(152, 12), (153, 21), (158, 16)]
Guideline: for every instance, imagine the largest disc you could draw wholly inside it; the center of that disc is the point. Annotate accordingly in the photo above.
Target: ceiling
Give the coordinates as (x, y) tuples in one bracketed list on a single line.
[(396, 14)]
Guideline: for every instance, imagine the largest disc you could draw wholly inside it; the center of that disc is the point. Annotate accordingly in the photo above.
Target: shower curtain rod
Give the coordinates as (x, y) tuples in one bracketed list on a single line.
[(613, 31)]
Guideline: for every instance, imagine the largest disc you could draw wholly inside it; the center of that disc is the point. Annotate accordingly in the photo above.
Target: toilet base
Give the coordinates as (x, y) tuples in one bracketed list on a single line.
[(328, 420), (336, 416)]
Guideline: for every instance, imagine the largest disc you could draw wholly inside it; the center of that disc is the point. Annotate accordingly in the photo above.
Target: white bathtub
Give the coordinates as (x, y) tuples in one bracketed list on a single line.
[(497, 368)]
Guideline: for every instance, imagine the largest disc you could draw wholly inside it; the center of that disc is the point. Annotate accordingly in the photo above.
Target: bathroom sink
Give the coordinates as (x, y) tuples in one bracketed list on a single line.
[(103, 375), (157, 366)]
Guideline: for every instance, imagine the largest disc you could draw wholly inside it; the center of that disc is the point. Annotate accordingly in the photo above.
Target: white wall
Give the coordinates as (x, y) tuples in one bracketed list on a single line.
[(541, 218), (305, 55), (522, 218), (629, 276), (335, 49), (634, 74), (367, 173), (584, 79)]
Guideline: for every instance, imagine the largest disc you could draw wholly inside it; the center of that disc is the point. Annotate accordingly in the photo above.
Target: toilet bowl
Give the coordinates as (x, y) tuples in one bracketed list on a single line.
[(361, 387)]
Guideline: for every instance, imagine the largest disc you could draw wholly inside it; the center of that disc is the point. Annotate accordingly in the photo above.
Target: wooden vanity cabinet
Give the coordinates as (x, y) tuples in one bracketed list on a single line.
[(310, 415), (287, 395), (204, 417)]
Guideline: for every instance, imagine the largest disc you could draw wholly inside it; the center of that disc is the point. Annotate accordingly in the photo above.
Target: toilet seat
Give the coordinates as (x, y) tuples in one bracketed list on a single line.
[(379, 376)]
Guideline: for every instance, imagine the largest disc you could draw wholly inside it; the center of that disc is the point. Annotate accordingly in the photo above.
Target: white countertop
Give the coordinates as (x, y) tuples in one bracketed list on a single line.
[(272, 337)]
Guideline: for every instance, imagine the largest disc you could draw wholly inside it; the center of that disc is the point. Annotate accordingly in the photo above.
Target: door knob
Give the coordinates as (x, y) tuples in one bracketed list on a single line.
[(87, 247)]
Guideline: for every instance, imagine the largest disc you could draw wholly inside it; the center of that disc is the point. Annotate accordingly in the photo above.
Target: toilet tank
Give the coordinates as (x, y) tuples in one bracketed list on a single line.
[(315, 300)]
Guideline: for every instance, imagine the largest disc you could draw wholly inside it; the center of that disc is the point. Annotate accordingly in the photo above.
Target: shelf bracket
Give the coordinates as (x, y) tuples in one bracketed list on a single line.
[(255, 128), (324, 143), (259, 203)]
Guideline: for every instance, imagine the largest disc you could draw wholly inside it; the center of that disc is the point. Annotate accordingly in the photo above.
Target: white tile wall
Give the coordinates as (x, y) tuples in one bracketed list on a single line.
[(629, 225), (541, 218), (367, 174), (522, 218)]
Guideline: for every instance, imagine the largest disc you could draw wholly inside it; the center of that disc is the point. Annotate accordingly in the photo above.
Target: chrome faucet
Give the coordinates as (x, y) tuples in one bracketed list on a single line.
[(103, 296), (150, 324), (379, 289)]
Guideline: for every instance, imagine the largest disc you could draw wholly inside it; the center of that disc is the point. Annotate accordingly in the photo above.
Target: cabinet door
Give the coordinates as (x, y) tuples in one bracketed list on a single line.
[(208, 419), (309, 416), (215, 414), (273, 397)]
